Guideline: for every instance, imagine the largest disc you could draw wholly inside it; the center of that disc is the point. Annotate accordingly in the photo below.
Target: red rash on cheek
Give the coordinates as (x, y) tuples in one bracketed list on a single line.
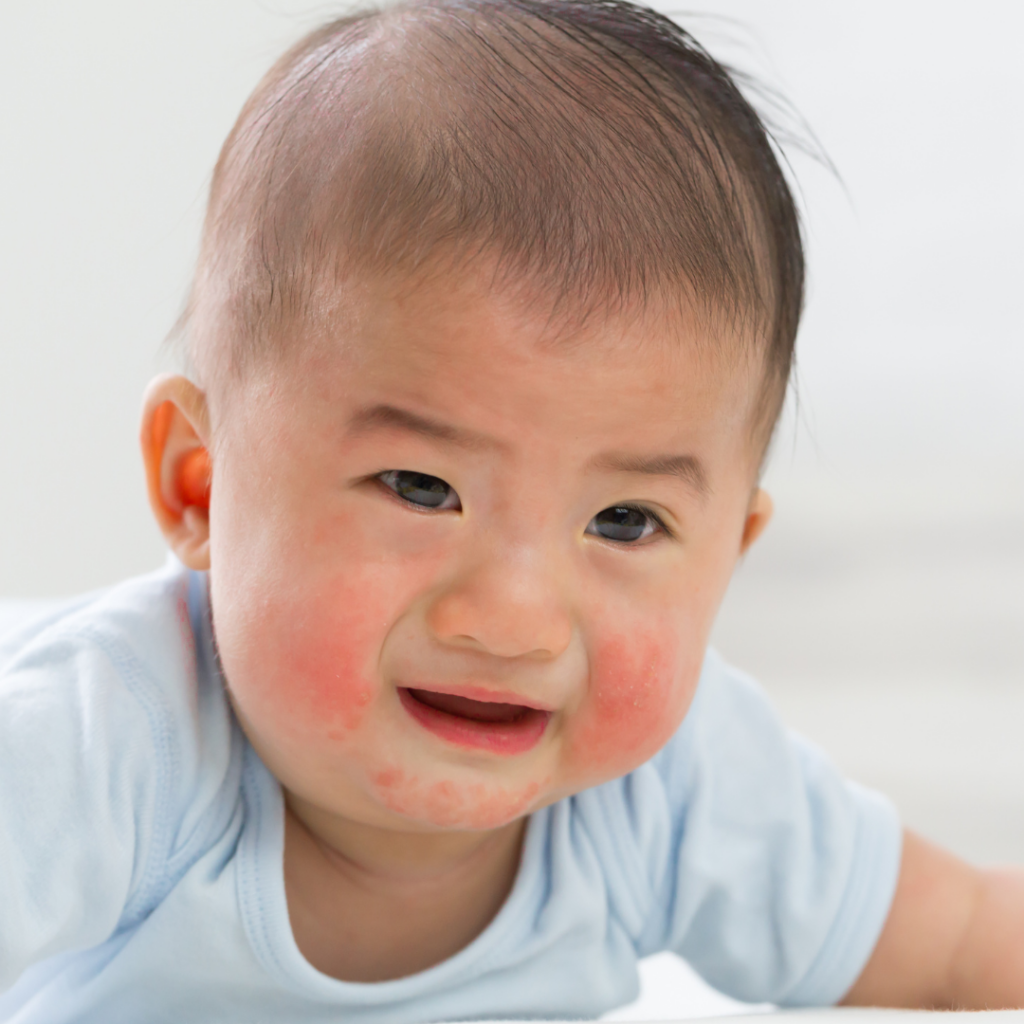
[(638, 695), (332, 679), (317, 663)]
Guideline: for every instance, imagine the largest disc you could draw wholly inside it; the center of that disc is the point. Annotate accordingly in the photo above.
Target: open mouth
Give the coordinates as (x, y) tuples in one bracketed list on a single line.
[(493, 725)]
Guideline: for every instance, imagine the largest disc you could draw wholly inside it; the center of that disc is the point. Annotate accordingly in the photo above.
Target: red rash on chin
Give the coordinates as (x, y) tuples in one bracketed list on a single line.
[(451, 804), (638, 696)]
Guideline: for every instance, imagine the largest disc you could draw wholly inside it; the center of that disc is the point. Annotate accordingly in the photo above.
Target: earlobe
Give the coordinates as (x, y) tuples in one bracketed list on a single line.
[(759, 514), (175, 437)]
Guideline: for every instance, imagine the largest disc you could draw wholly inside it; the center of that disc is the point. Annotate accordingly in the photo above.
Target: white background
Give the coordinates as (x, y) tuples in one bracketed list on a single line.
[(885, 608)]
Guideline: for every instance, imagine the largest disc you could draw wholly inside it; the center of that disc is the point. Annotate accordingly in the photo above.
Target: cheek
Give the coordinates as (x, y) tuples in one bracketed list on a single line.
[(640, 688), (304, 662), (450, 803), (330, 658), (305, 596)]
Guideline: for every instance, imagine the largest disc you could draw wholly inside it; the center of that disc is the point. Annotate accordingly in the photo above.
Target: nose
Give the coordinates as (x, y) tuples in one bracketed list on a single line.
[(510, 607)]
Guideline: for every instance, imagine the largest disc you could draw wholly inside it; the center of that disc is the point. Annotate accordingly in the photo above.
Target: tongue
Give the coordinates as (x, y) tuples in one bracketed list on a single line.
[(463, 707)]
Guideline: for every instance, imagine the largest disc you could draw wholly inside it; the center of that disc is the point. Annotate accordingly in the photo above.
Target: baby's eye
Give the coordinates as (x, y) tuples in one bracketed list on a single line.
[(420, 489), (625, 523)]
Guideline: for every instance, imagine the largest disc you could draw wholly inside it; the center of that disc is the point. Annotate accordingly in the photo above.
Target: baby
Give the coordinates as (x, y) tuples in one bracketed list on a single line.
[(493, 318)]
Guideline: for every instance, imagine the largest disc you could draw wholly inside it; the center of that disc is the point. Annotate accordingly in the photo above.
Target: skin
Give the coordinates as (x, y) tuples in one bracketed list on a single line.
[(332, 594)]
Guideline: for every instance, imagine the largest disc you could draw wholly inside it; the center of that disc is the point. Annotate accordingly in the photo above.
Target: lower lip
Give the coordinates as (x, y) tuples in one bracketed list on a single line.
[(496, 737)]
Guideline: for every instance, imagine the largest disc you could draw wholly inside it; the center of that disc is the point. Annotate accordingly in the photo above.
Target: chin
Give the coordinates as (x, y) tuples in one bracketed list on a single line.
[(451, 804)]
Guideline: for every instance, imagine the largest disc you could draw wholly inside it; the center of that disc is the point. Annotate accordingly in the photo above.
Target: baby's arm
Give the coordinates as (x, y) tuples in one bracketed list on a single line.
[(954, 937)]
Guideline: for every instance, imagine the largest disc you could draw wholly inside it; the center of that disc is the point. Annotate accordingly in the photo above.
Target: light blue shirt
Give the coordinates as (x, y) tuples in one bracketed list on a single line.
[(141, 848)]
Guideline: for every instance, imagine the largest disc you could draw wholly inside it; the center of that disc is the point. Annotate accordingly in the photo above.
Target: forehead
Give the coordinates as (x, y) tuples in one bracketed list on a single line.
[(508, 360)]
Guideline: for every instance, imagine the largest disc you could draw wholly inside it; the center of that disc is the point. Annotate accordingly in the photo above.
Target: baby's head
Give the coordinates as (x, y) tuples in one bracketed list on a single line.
[(493, 317)]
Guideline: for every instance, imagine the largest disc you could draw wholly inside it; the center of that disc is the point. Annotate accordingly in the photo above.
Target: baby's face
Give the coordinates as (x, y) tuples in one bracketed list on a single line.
[(463, 563)]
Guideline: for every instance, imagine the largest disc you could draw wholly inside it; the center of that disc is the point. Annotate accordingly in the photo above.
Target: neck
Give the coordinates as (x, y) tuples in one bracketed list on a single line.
[(369, 903)]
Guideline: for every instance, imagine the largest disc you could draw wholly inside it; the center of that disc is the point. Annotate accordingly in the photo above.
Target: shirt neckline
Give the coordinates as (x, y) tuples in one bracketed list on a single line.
[(264, 906)]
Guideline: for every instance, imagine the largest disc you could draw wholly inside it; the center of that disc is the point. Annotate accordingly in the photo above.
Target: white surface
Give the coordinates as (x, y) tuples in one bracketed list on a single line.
[(845, 1015), (671, 990)]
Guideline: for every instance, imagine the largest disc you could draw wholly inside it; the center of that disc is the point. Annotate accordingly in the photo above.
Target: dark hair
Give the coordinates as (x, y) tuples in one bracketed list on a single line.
[(592, 145)]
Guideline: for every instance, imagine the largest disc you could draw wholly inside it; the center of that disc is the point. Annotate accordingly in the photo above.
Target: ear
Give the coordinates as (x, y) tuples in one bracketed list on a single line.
[(175, 447), (759, 513)]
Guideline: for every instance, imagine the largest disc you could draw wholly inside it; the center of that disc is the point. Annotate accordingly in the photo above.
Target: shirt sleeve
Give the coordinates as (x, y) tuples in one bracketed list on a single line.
[(79, 771), (779, 873)]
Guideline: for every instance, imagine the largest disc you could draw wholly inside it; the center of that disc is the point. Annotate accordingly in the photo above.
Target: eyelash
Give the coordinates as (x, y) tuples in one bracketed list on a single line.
[(642, 510)]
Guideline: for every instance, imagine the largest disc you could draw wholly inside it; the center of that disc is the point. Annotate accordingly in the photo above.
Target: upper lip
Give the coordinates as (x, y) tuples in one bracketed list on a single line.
[(485, 695)]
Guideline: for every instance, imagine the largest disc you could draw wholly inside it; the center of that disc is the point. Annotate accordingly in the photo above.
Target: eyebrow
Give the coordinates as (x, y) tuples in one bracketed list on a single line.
[(687, 468), (390, 417)]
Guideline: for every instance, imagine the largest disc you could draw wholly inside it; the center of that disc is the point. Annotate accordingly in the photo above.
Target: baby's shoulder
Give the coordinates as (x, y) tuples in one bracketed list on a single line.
[(128, 676), (143, 637), (731, 775), (731, 721)]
